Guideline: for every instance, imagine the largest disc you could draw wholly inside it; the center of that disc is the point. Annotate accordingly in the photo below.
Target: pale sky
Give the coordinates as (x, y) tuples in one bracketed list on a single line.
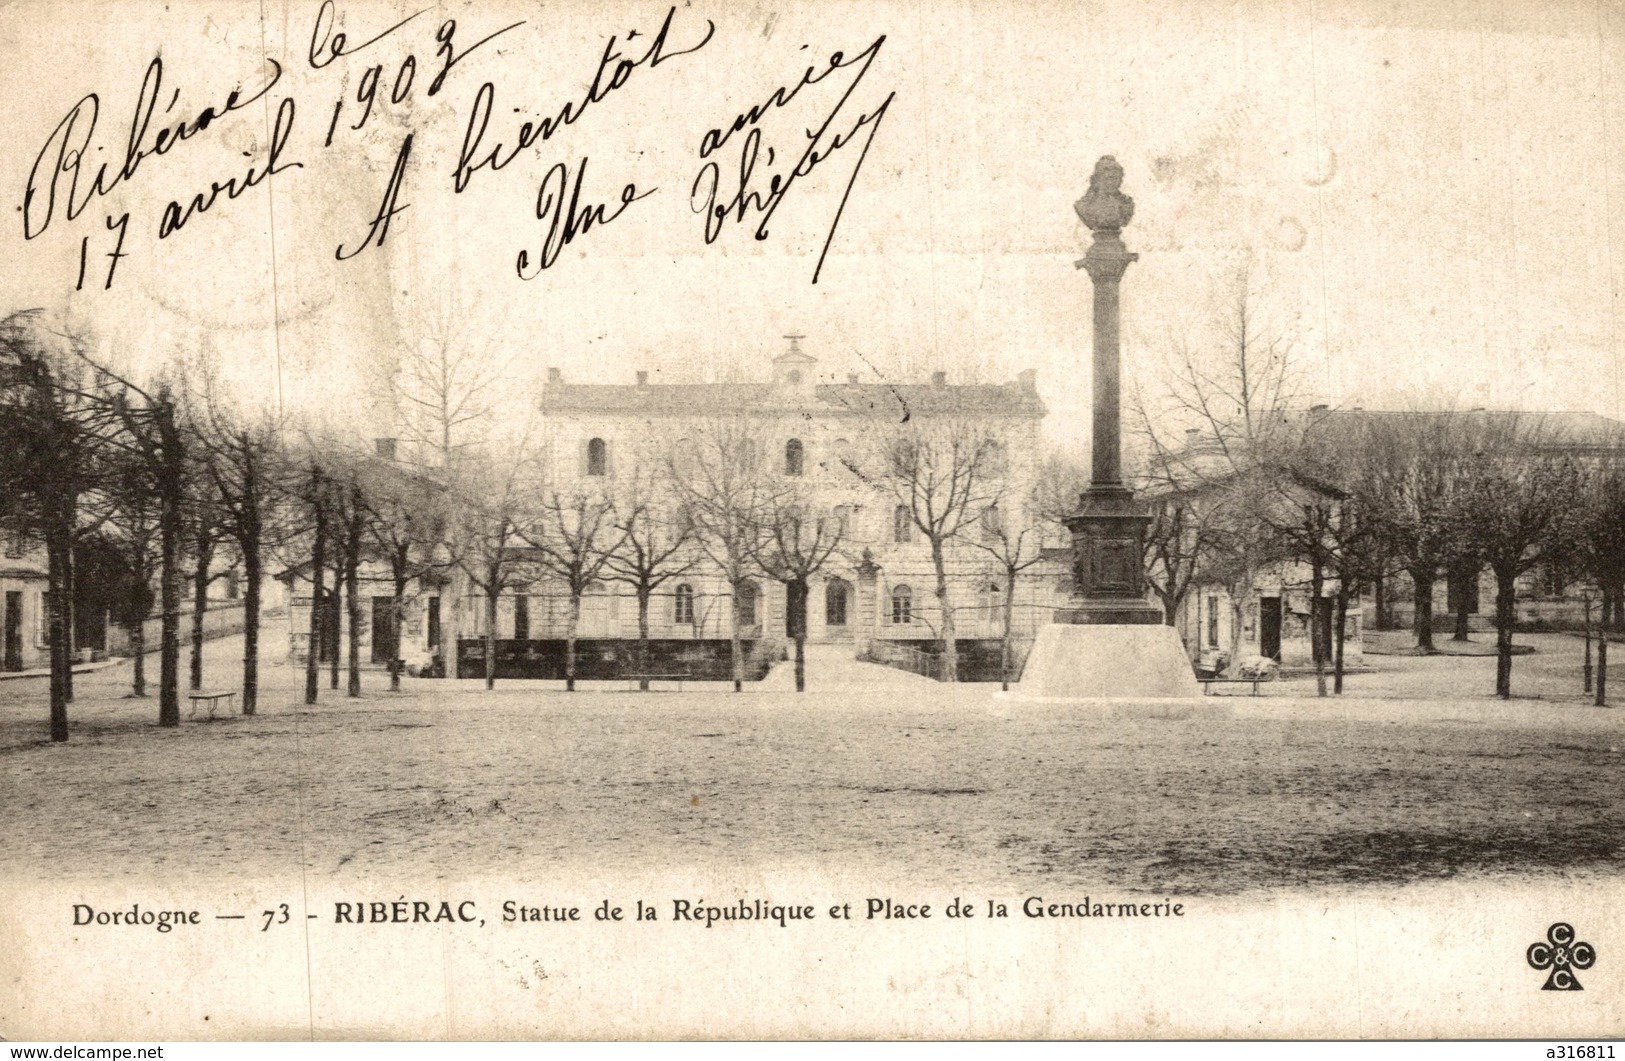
[(1430, 198)]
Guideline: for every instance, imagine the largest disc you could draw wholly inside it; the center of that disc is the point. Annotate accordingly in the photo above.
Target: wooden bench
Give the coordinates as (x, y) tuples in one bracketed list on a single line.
[(212, 699), (1209, 683), (641, 678)]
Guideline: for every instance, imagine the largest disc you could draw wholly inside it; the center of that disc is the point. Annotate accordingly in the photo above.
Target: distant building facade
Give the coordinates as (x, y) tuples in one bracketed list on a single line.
[(877, 592)]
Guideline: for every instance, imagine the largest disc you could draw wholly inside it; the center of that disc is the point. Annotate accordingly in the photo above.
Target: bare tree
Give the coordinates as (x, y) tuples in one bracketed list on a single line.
[(940, 478), (317, 495), (1599, 540), (407, 523), (720, 489), (493, 532), (133, 517), (144, 427), (791, 548), (1413, 467), (1517, 507), (1012, 551), (1233, 394), (445, 380), (578, 536), (244, 464), (656, 546)]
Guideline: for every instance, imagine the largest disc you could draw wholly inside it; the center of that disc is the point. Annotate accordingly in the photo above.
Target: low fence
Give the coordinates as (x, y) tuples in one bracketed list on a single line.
[(613, 658), (979, 659)]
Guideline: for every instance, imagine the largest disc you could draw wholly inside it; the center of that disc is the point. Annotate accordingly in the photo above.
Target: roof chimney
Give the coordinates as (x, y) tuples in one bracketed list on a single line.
[(554, 375), (1192, 436), (385, 448), (939, 378), (1318, 410), (643, 378), (852, 378), (1027, 380)]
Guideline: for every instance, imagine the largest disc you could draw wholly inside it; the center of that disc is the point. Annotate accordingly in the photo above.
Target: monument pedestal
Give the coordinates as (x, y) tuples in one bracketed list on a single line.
[(1093, 661)]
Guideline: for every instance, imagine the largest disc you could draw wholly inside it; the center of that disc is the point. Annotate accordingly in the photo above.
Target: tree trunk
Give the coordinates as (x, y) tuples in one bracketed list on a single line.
[(1317, 642), (796, 594), (1505, 600), (644, 591), (57, 548), (251, 624), (493, 590), (138, 657), (737, 651), (318, 607), (336, 614), (68, 591), (1602, 670), (1422, 621), (352, 590), (1241, 594), (397, 616), (1005, 653), (452, 624), (945, 612), (169, 598), (200, 607), (1341, 635), (570, 641)]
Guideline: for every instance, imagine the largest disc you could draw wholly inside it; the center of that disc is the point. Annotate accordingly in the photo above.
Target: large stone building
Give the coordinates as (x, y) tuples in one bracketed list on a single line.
[(820, 438), (823, 435)]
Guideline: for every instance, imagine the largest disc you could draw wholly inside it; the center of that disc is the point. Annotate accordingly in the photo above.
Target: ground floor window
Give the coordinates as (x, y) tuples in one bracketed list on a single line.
[(683, 605), (902, 605), (835, 593)]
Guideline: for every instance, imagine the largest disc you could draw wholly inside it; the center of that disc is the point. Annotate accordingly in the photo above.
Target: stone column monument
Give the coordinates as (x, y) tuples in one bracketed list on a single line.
[(1109, 642)]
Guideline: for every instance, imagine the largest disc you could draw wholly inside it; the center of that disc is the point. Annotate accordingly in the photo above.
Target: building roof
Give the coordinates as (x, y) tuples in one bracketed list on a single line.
[(884, 400), (1560, 430)]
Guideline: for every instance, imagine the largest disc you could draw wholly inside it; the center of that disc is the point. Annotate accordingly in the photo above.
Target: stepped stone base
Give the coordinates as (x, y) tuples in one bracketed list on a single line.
[(1095, 661)]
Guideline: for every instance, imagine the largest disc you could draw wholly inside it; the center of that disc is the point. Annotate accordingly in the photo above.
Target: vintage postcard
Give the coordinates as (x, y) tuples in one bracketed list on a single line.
[(1097, 519)]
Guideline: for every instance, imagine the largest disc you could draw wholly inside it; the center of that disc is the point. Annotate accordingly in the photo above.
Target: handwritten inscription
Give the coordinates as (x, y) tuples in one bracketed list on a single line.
[(377, 69)]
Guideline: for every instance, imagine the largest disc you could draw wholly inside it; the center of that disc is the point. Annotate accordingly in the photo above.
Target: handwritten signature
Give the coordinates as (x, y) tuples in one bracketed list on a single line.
[(748, 200)]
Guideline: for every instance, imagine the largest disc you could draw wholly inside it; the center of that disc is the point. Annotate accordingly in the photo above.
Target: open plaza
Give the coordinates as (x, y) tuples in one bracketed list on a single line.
[(1416, 773)]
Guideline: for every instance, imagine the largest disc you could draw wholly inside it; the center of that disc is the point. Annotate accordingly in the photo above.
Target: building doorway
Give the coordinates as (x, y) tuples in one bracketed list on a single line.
[(385, 642), (1269, 628), (14, 630)]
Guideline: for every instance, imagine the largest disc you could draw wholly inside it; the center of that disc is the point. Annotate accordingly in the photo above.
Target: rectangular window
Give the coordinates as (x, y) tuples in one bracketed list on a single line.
[(1213, 622), (521, 618)]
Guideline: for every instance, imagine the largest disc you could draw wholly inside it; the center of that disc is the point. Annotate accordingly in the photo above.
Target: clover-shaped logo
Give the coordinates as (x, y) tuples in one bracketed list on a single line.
[(1562, 955)]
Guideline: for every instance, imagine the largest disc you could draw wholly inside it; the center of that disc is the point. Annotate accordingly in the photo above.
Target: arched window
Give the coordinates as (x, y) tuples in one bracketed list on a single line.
[(992, 522), (597, 457), (843, 520), (684, 455), (747, 604), (995, 459), (902, 525), (683, 605), (835, 595), (793, 457), (902, 605)]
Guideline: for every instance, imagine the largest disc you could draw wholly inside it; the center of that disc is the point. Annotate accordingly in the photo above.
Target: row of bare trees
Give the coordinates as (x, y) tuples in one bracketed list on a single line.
[(1346, 500)]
